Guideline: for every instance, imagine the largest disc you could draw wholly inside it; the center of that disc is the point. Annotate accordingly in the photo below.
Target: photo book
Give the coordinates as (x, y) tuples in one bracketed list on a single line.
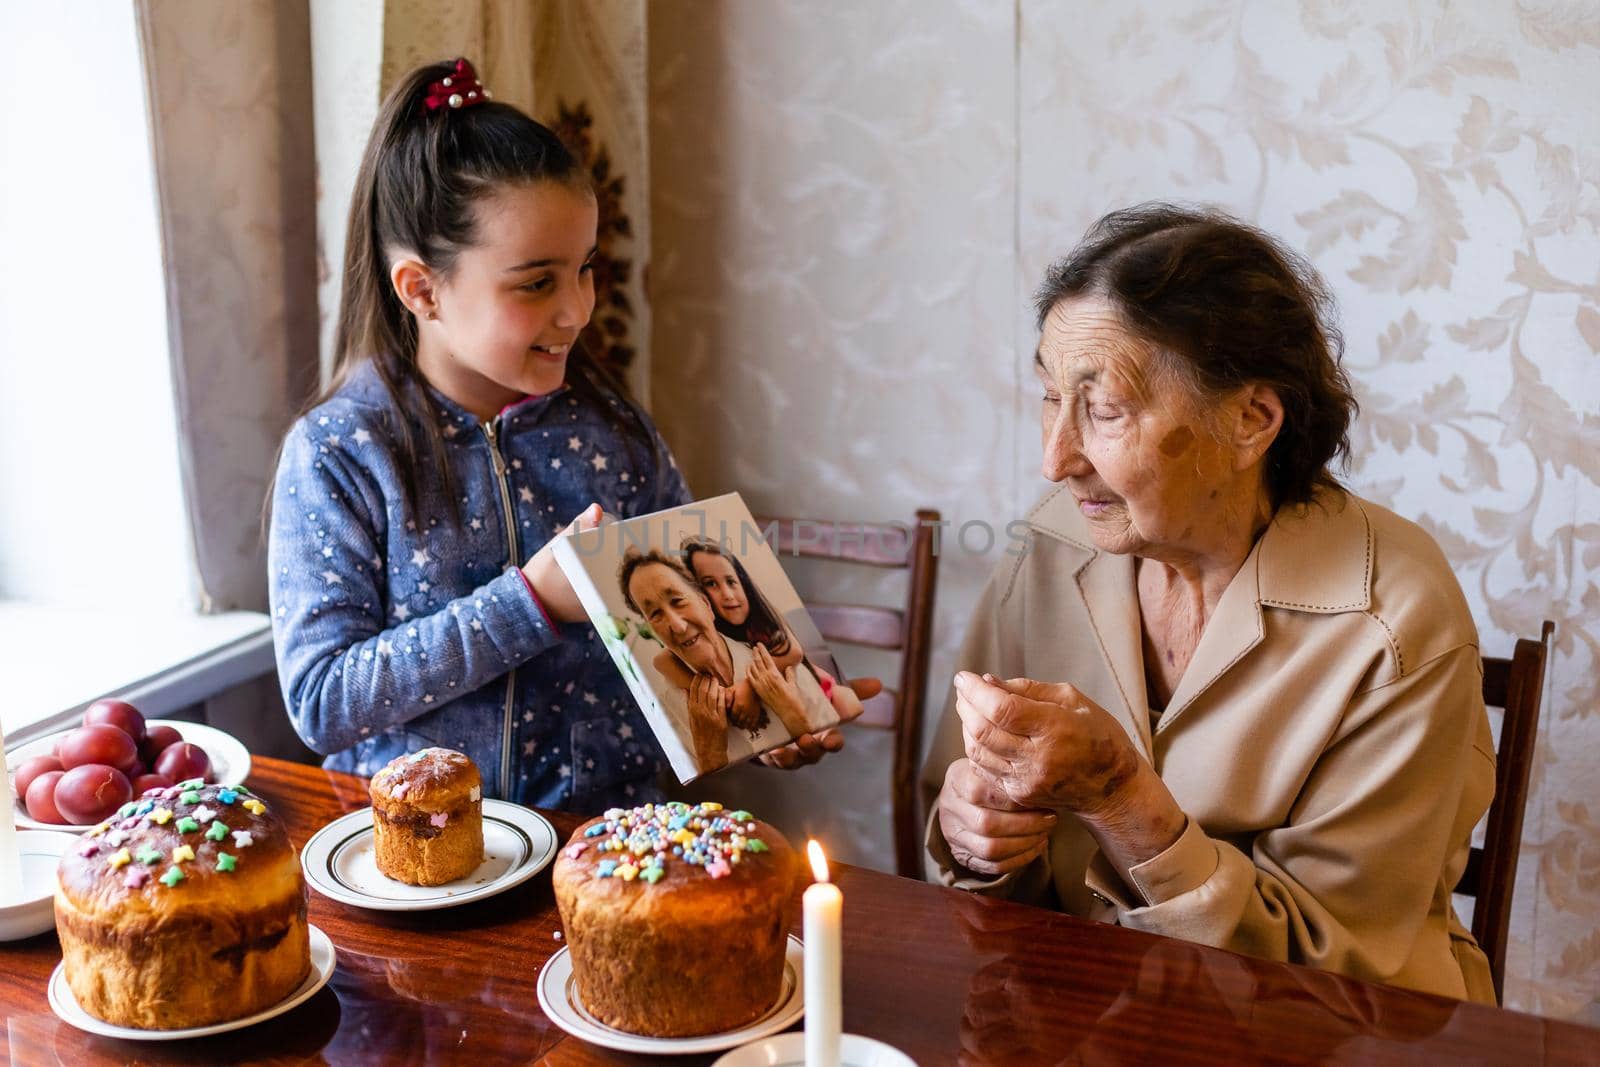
[(701, 620)]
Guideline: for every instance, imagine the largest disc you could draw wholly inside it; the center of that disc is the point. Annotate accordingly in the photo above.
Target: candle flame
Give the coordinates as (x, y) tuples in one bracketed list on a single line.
[(819, 862)]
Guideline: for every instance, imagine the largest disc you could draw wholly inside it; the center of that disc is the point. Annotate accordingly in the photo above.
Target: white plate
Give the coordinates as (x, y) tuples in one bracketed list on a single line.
[(789, 1050), (339, 862), (558, 996), (230, 763), (65, 1005), (38, 854)]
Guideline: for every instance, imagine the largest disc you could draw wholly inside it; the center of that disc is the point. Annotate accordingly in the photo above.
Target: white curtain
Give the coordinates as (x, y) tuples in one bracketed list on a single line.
[(229, 97)]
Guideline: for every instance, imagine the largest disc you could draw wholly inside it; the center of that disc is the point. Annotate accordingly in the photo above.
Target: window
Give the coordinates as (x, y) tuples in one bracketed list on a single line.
[(96, 589)]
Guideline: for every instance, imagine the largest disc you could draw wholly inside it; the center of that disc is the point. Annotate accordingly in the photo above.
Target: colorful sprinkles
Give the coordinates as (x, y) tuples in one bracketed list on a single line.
[(181, 809), (701, 835)]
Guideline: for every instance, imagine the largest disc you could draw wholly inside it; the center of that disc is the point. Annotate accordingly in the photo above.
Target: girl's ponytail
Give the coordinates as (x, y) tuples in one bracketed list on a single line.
[(373, 323)]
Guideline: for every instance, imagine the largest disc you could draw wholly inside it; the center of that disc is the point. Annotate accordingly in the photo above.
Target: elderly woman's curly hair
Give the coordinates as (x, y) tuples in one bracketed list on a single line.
[(1225, 305), (633, 559)]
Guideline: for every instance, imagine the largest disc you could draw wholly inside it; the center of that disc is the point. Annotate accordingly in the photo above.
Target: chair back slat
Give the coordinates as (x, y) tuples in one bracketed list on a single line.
[(859, 624), (890, 545), (1517, 686), (881, 712)]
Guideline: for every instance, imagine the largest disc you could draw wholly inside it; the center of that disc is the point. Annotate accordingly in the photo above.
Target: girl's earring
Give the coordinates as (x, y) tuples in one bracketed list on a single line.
[(432, 315)]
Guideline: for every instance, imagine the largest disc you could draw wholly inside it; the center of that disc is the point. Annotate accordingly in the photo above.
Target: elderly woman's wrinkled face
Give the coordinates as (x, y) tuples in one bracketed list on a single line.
[(1129, 440), (678, 612)]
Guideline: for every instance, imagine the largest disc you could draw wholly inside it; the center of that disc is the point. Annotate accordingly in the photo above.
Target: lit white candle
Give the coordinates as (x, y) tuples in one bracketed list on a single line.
[(824, 914), (10, 854)]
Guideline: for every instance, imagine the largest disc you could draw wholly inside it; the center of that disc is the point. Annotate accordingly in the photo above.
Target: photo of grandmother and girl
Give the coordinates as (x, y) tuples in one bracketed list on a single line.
[(710, 635)]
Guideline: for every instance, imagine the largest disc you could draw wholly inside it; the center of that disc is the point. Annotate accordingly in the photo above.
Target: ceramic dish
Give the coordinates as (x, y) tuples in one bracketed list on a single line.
[(789, 1050), (230, 763), (339, 863), (65, 1005), (558, 996), (40, 854)]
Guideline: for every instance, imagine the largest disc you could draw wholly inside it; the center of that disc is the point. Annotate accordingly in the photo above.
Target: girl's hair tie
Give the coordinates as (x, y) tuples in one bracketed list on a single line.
[(460, 89)]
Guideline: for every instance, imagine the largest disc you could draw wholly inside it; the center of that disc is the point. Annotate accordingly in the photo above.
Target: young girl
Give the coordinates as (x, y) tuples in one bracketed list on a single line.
[(412, 601)]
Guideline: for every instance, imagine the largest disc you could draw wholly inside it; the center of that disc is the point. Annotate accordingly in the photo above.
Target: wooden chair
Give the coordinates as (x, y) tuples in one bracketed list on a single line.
[(909, 631), (1516, 685)]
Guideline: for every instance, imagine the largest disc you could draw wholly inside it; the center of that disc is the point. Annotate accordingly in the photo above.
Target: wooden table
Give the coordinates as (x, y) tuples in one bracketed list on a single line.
[(945, 976)]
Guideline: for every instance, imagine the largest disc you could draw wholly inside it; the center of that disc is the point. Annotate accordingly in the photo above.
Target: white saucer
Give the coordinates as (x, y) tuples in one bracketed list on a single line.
[(789, 1050), (62, 1002), (558, 996), (230, 763), (38, 855), (339, 862)]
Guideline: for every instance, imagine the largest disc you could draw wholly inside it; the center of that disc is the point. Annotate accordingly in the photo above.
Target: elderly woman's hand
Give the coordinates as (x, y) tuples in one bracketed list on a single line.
[(708, 721), (986, 831), (778, 690), (1045, 744)]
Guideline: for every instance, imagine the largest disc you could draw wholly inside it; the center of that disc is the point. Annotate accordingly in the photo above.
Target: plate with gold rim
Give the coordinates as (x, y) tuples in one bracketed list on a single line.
[(558, 996), (323, 960), (339, 861)]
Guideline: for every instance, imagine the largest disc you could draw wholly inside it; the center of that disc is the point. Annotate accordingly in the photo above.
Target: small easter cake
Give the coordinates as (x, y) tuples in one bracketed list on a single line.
[(427, 817), (187, 908), (677, 917)]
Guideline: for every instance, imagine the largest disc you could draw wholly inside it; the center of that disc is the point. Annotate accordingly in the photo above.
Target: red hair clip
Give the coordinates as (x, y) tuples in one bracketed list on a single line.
[(461, 89)]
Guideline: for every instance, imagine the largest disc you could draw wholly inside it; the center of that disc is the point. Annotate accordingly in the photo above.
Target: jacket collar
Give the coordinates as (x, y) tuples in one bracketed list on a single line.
[(456, 420), (1315, 558)]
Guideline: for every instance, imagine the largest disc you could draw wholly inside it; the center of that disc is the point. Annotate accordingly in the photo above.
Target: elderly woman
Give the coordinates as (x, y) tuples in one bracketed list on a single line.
[(1217, 697)]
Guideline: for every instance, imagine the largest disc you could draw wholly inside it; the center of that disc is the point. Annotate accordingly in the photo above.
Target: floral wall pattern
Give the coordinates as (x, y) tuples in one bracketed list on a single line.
[(831, 274), (1438, 165), (848, 226)]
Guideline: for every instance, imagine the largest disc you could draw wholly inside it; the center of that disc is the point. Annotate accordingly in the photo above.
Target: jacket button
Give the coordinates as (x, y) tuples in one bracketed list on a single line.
[(1102, 898)]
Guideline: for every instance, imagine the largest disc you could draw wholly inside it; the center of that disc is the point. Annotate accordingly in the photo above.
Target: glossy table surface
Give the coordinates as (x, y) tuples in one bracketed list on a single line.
[(944, 976)]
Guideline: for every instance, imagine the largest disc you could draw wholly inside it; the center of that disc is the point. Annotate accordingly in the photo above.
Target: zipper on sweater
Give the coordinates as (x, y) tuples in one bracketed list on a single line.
[(492, 433)]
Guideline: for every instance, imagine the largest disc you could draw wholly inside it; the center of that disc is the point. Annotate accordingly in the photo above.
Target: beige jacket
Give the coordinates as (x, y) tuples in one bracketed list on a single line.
[(1328, 742)]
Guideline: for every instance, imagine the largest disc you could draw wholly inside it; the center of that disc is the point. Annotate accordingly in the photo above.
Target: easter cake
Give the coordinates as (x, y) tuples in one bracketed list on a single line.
[(427, 815), (186, 908), (677, 917)]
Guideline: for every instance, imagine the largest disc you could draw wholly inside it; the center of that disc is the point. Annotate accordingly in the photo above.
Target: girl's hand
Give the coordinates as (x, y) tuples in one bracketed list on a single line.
[(744, 707), (987, 832), (708, 721), (550, 585), (778, 691), (1045, 745), (809, 748)]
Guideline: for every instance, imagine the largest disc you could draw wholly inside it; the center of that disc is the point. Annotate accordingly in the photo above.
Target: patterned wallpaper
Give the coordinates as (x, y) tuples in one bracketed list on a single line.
[(848, 223), (833, 293)]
